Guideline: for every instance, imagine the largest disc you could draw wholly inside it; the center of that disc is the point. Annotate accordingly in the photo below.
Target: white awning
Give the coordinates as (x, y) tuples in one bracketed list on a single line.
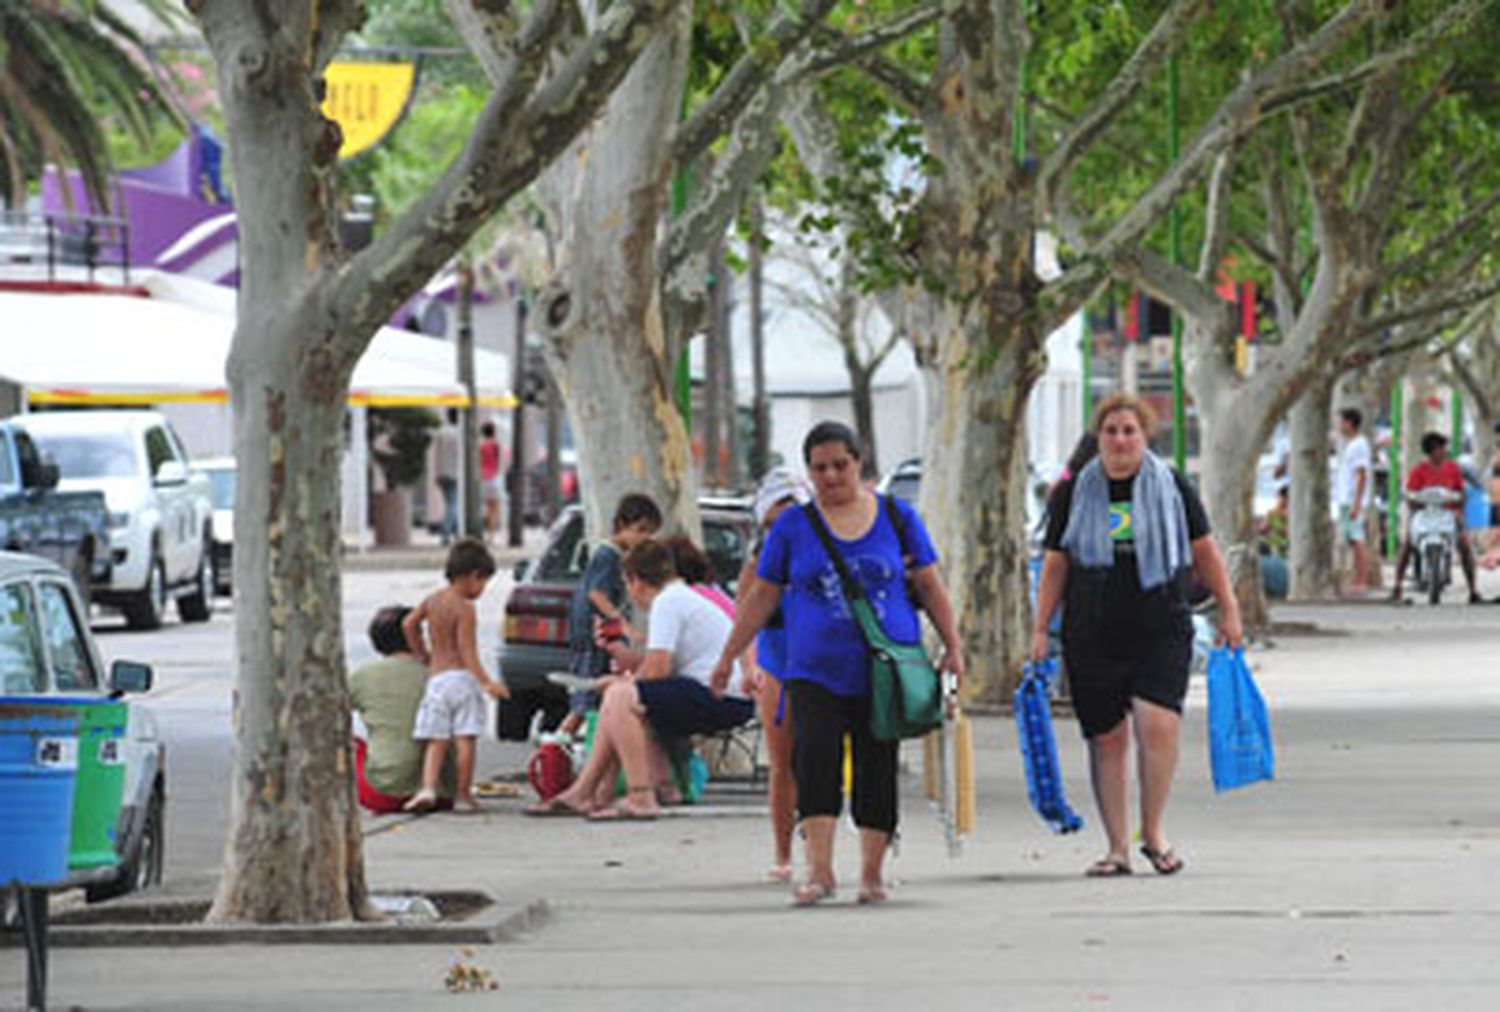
[(167, 342)]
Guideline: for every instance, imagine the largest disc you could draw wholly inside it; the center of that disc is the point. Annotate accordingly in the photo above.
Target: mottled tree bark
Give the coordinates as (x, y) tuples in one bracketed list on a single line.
[(307, 312), (1311, 536)]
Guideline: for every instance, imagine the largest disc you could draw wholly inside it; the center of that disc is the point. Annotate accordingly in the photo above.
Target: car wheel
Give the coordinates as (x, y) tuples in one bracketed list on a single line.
[(148, 607), (199, 605), (145, 865)]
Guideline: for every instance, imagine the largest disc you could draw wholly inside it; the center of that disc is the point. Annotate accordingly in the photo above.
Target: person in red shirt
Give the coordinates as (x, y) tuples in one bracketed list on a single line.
[(1438, 470)]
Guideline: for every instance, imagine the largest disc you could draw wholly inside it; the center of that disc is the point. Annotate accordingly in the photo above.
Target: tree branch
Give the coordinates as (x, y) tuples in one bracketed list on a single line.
[(1435, 305), (901, 87), (1011, 44), (751, 72), (1216, 215), (489, 29), (837, 50), (1235, 117), (513, 141), (1444, 240), (1160, 42)]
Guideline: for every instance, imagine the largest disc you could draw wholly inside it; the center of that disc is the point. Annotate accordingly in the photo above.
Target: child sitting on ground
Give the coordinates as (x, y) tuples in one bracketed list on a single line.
[(600, 596), (452, 707)]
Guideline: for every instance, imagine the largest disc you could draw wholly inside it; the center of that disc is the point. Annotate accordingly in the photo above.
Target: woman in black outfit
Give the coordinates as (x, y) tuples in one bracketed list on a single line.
[(1122, 537)]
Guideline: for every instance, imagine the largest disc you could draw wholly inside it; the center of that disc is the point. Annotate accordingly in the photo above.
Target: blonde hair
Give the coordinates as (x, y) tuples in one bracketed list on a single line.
[(1121, 401)]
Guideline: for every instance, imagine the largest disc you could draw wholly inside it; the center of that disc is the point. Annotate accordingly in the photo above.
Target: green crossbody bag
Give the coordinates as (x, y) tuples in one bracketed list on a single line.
[(905, 693)]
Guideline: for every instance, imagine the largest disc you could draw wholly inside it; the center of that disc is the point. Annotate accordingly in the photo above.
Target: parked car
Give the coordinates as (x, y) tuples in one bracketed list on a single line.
[(221, 472), (535, 635), (70, 528), (904, 481), (46, 648), (160, 526)]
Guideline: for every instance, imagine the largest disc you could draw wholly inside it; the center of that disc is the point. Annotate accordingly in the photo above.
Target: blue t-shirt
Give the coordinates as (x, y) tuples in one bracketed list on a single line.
[(770, 650), (602, 573), (823, 643)]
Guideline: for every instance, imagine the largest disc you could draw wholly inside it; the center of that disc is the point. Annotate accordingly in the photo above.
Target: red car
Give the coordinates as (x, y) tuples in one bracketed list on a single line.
[(535, 635)]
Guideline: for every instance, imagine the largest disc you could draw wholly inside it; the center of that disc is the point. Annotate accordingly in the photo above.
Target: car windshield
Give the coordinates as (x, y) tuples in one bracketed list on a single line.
[(566, 554), (102, 456), (221, 487), (21, 669), (905, 487)]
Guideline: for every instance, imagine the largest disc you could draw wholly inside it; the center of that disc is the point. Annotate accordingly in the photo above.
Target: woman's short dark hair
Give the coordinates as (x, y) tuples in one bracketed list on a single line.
[(830, 432), (650, 562), (1432, 441), (385, 630), (635, 507), (487, 430), (688, 559)]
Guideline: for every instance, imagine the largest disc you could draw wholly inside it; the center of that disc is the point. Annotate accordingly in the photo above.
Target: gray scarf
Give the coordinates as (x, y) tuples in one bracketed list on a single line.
[(1157, 516)]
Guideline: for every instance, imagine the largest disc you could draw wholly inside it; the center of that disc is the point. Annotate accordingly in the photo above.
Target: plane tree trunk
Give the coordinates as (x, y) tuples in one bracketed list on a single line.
[(1311, 531), (307, 312)]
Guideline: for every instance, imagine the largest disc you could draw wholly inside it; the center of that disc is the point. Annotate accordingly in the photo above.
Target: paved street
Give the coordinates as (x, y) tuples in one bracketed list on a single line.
[(194, 668), (1362, 879)]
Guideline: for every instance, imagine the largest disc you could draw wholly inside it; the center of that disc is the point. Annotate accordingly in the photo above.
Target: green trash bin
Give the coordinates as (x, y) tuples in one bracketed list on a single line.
[(101, 784)]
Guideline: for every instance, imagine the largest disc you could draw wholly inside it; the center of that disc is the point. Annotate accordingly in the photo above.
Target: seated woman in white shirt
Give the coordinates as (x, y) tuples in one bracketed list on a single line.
[(663, 697)]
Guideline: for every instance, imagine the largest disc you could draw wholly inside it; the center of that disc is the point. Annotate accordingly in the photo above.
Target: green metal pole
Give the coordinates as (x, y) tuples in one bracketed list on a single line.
[(1393, 477), (1457, 440), (1174, 225)]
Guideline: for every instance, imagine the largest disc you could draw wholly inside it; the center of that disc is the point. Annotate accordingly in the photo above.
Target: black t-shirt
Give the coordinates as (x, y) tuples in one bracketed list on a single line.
[(1109, 602)]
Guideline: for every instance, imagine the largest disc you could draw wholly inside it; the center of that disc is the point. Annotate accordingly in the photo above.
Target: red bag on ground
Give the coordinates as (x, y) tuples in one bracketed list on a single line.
[(550, 770)]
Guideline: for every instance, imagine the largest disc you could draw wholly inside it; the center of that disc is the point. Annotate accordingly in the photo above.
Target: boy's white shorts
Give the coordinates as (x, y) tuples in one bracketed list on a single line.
[(452, 706)]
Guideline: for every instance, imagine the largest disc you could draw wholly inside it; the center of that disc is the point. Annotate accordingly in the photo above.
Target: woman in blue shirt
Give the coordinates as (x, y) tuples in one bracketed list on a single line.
[(827, 666)]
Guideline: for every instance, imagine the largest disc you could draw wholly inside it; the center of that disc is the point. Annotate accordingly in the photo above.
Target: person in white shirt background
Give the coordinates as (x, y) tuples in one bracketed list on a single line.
[(1353, 489)]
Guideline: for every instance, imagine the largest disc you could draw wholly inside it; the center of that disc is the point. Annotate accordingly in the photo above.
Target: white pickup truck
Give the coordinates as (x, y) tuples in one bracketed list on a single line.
[(160, 513)]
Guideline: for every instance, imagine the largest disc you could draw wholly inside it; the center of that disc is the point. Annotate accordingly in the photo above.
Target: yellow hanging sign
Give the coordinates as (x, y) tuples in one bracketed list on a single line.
[(366, 100)]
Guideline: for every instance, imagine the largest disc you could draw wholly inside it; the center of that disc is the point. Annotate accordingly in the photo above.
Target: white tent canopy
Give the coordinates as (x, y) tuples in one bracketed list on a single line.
[(171, 344)]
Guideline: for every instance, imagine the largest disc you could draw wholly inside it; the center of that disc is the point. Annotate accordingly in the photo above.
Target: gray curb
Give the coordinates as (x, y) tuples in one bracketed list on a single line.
[(494, 923)]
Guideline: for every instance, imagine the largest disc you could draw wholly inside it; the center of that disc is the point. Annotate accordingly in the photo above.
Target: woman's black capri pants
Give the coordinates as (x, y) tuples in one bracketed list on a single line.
[(820, 720)]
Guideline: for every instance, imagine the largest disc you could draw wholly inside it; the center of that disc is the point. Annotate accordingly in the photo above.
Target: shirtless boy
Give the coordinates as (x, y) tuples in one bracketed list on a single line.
[(452, 707)]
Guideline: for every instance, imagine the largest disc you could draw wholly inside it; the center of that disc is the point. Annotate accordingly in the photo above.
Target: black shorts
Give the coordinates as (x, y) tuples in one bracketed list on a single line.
[(678, 708), (1103, 680)]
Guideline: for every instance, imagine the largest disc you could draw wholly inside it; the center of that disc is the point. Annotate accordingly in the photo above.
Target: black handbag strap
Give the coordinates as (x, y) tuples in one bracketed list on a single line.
[(852, 589)]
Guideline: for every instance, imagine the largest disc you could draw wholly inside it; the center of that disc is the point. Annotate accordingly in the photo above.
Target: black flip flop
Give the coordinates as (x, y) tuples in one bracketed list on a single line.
[(1107, 867), (1166, 862)]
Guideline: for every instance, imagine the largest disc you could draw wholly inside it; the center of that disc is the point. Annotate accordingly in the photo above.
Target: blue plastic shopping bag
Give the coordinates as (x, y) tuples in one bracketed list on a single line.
[(1240, 751), (1039, 749)]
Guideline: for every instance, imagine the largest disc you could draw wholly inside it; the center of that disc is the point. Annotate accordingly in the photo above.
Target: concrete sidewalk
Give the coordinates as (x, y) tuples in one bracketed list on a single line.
[(1363, 878), (426, 551)]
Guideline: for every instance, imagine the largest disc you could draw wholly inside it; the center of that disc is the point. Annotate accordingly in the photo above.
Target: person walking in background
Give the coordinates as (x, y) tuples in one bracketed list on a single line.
[(778, 490), (827, 669), (1353, 490), (447, 456), (385, 693), (1122, 536), (452, 709), (491, 477)]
